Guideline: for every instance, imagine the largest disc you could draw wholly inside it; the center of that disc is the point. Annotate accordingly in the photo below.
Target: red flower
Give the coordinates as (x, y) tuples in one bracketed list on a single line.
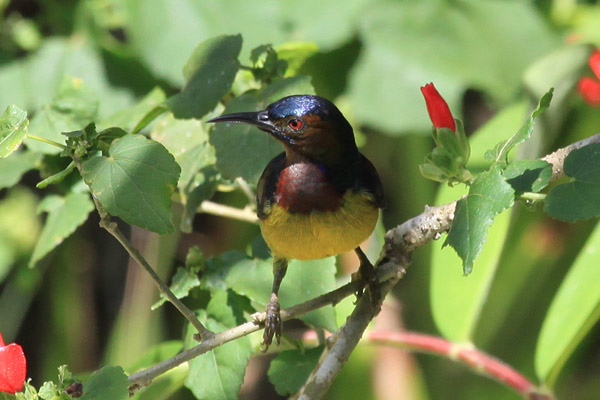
[(589, 88), (438, 109), (13, 367)]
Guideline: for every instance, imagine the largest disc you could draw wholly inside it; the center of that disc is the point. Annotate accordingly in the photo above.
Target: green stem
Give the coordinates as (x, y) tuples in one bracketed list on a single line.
[(47, 141), (149, 117)]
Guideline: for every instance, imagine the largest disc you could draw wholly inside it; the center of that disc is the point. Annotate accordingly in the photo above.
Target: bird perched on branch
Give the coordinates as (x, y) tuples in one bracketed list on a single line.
[(319, 198)]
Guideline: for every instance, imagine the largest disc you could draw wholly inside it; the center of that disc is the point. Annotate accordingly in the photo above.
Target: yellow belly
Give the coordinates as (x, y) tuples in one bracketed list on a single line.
[(320, 234)]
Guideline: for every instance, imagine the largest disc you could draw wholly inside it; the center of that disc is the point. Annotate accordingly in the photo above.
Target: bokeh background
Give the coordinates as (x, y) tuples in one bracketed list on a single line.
[(86, 305)]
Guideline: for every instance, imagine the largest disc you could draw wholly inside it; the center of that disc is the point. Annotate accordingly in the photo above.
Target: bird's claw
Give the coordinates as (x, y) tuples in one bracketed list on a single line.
[(272, 323), (367, 279)]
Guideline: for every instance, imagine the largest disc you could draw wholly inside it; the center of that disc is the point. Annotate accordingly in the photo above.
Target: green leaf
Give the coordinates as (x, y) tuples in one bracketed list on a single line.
[(48, 391), (243, 150), (500, 152), (58, 177), (135, 182), (73, 108), (13, 129), (290, 369), (13, 168), (132, 116), (217, 268), (109, 383), (32, 81), (64, 375), (488, 196), (573, 312), (404, 41), (286, 87), (561, 70), (528, 175), (296, 54), (187, 140), (65, 214), (202, 187), (304, 280), (209, 73), (219, 373), (456, 300), (500, 127), (157, 353), (577, 199), (183, 281), (185, 22)]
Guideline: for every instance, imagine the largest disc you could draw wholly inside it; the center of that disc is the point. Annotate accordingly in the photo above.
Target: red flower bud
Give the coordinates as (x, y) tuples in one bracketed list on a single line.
[(13, 367), (589, 88), (438, 109)]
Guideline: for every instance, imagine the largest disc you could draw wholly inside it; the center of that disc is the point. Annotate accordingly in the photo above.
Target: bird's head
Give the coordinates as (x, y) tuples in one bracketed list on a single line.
[(307, 125)]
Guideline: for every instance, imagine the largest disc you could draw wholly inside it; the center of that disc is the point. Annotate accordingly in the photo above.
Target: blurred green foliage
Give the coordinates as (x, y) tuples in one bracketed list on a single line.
[(119, 64)]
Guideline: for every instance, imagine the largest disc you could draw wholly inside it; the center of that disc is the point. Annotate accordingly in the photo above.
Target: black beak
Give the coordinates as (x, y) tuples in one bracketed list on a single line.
[(260, 119)]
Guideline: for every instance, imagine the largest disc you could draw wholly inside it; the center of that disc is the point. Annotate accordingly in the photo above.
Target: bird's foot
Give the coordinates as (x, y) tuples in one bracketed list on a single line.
[(367, 279), (272, 323)]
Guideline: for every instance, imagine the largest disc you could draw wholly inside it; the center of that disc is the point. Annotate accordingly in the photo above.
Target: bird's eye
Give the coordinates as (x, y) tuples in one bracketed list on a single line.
[(295, 124)]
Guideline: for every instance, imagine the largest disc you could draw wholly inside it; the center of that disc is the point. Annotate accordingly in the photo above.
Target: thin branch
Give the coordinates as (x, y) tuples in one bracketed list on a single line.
[(113, 229), (246, 189), (241, 214), (399, 244), (395, 258), (477, 360), (144, 377), (47, 141), (557, 158)]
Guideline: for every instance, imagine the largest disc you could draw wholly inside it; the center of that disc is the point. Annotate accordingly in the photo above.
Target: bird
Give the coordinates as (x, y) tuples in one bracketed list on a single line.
[(320, 197)]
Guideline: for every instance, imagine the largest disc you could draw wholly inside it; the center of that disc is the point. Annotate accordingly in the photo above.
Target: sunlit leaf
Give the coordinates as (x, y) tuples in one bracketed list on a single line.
[(65, 214), (209, 73), (13, 129), (404, 43), (187, 140), (127, 119), (74, 107), (573, 312), (13, 167)]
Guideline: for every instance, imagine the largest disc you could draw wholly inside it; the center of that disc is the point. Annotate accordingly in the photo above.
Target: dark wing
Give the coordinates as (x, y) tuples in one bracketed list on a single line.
[(267, 185), (368, 180)]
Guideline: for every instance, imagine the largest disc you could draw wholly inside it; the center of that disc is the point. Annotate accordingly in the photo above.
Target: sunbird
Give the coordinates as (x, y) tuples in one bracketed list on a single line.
[(319, 198)]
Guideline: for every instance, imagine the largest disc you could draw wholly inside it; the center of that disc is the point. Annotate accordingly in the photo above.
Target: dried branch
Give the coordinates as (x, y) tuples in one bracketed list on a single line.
[(400, 242), (241, 214), (395, 258)]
